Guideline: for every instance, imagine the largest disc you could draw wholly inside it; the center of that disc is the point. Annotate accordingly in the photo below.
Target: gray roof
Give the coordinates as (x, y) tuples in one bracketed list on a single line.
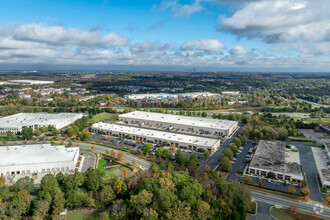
[(270, 155), (179, 119)]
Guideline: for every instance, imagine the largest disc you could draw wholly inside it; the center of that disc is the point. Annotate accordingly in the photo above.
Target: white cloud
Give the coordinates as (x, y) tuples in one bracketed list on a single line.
[(181, 9), (238, 50), (281, 20), (71, 36), (210, 45), (150, 46)]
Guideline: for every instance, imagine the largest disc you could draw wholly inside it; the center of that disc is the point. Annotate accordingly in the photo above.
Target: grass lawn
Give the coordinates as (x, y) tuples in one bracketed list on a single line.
[(284, 214), (82, 214), (324, 120), (101, 164), (281, 213), (103, 116), (322, 189), (116, 170)]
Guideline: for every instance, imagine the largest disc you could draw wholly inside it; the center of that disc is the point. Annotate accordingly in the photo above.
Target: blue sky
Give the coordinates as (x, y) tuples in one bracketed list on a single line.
[(207, 35)]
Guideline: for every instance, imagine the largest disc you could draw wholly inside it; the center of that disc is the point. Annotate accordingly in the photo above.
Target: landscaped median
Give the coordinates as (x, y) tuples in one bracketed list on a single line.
[(291, 214)]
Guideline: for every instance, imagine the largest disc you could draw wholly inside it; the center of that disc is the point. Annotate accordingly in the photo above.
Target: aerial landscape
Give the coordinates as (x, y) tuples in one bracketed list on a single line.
[(165, 109)]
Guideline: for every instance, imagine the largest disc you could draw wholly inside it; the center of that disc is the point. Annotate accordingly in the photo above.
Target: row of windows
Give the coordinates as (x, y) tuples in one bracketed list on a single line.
[(48, 170)]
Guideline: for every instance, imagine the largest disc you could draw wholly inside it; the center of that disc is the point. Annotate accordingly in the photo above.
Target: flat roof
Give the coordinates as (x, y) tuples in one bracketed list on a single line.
[(169, 95), (179, 119), (270, 155), (35, 154), (326, 174), (28, 119), (170, 136)]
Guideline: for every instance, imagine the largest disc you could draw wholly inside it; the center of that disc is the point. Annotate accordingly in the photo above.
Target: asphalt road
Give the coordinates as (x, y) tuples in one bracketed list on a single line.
[(89, 161), (127, 157), (263, 212), (213, 161), (309, 167), (311, 207)]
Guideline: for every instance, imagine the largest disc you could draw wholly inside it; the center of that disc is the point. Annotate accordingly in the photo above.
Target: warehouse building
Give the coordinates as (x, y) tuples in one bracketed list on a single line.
[(273, 156), (30, 82), (187, 123), (182, 141), (324, 172), (31, 160), (15, 123), (169, 95)]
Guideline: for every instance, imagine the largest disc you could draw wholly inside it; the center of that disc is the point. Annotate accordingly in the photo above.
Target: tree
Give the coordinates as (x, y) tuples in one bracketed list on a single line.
[(305, 192), (41, 208), (140, 201), (237, 141), (147, 148), (293, 208), (203, 210), (24, 199), (180, 158), (173, 148), (117, 186), (85, 135), (70, 132), (75, 198), (291, 189), (58, 202), (49, 184), (25, 183), (134, 162), (225, 164), (207, 153), (193, 160), (94, 179), (107, 194), (233, 147), (165, 143), (228, 153), (207, 168), (167, 154), (204, 114), (70, 144), (271, 175), (159, 152), (120, 155), (247, 179), (27, 133)]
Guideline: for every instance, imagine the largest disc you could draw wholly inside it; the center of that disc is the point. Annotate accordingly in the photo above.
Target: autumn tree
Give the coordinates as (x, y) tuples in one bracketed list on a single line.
[(207, 168), (291, 189), (24, 199), (305, 192), (134, 162), (247, 179)]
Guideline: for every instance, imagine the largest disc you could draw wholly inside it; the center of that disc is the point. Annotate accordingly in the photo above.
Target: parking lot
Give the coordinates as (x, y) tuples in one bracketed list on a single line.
[(241, 162), (132, 144)]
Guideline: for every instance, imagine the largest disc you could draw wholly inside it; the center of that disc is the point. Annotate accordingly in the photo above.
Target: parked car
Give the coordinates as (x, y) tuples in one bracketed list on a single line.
[(234, 159), (269, 180)]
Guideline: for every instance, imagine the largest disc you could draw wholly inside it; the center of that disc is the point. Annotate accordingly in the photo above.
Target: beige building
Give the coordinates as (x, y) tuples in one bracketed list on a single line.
[(273, 156), (187, 123), (182, 141)]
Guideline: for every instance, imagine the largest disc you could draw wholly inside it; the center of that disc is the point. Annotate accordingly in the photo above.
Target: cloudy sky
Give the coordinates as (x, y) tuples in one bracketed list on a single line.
[(206, 35)]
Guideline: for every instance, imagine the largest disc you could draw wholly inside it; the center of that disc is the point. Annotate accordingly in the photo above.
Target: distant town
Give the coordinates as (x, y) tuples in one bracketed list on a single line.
[(68, 136)]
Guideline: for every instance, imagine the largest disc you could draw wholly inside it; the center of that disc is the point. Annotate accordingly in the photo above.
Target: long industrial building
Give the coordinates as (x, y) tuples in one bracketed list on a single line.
[(187, 123), (169, 95), (15, 123), (273, 156), (29, 160), (30, 82), (182, 141)]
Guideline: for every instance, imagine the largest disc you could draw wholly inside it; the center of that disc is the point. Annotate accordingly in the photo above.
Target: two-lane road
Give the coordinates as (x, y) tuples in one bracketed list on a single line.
[(311, 207)]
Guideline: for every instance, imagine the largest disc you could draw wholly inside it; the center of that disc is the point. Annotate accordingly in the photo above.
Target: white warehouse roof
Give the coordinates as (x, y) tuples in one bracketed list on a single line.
[(31, 82), (41, 119), (36, 154), (156, 134), (179, 119)]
